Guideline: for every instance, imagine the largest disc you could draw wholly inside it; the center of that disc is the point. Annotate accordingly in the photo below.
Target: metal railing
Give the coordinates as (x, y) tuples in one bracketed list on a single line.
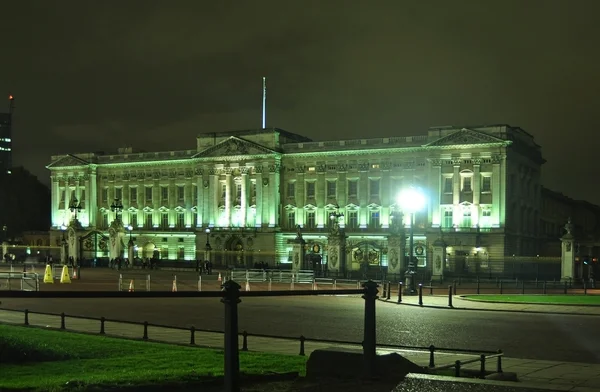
[(457, 365), (26, 281)]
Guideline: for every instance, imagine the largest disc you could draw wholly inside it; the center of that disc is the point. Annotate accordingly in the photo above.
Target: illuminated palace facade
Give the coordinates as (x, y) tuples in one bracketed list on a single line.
[(253, 189)]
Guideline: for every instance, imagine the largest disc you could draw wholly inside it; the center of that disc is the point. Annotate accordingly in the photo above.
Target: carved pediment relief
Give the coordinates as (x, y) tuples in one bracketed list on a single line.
[(148, 209), (465, 136), (234, 146), (68, 161)]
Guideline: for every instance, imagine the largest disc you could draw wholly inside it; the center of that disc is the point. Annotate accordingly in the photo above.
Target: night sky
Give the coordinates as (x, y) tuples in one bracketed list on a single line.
[(98, 75)]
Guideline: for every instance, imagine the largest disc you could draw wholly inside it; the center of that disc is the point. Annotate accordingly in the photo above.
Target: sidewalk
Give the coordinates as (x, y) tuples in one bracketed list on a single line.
[(564, 376), (441, 301)]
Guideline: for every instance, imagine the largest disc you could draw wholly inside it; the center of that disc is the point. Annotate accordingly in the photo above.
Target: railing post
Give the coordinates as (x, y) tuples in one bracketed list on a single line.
[(450, 297), (145, 337), (430, 287), (389, 293), (544, 287), (384, 290), (457, 369), (431, 356), (231, 299), (148, 282), (420, 294), (102, 320), (482, 366), (499, 364), (244, 341), (270, 284), (302, 340), (400, 292), (62, 320), (370, 332), (192, 335), (26, 322), (199, 282)]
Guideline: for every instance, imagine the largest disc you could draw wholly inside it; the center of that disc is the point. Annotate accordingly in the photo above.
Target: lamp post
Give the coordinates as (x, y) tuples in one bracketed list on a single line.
[(207, 247), (117, 208), (335, 217), (411, 200), (63, 243)]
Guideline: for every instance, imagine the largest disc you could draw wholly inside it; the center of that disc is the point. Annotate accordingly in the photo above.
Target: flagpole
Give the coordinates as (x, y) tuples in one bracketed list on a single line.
[(264, 103)]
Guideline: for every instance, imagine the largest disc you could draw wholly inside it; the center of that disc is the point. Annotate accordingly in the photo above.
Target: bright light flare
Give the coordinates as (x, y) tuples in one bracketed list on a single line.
[(411, 200)]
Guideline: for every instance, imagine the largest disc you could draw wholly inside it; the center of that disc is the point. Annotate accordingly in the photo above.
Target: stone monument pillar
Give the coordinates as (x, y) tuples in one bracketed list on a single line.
[(439, 257), (298, 251), (396, 246), (567, 256), (336, 254), (116, 233), (73, 240)]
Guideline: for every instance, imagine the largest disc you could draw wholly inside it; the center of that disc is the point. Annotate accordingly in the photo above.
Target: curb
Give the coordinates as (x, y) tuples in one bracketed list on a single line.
[(491, 310), (524, 303)]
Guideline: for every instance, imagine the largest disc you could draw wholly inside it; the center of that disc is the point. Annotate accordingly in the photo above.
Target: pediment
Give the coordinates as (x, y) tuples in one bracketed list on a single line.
[(464, 137), (234, 146), (68, 161)]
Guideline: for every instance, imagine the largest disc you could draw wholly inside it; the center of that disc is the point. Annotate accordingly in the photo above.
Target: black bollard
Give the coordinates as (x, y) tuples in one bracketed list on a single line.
[(231, 300), (450, 296), (192, 335), (102, 320), (62, 321), (584, 288), (370, 331), (302, 340), (499, 364), (384, 290), (457, 369), (26, 317), (431, 287), (431, 356), (400, 292), (244, 341), (145, 337), (389, 293), (482, 366), (420, 294)]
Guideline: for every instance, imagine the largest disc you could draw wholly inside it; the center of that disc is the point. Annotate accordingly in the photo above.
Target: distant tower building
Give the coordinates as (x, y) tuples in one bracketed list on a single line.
[(6, 137)]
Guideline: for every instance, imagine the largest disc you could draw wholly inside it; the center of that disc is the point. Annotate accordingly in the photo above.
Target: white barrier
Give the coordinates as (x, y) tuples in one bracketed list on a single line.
[(125, 282), (26, 281)]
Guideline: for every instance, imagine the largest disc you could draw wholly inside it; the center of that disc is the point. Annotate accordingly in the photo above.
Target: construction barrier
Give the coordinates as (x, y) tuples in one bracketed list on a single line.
[(23, 281), (127, 284)]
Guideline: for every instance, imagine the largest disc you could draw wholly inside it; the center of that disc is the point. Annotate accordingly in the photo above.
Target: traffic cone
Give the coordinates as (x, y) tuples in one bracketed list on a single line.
[(64, 277), (48, 278), (75, 273), (247, 286), (220, 279), (315, 285), (174, 289), (131, 287)]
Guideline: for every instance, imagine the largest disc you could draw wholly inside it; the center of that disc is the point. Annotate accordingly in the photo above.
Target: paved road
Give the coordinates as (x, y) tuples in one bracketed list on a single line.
[(534, 336)]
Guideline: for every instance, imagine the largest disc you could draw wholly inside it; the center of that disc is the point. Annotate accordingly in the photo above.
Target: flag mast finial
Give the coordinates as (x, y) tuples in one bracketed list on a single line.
[(264, 103)]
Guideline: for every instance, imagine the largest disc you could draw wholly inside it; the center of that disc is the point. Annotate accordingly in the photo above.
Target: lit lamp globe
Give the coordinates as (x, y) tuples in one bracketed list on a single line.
[(411, 200)]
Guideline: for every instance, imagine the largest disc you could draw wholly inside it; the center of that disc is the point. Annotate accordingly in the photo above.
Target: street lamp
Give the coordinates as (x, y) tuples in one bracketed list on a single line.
[(130, 228), (75, 207), (117, 208), (335, 217), (411, 200), (63, 243), (207, 247)]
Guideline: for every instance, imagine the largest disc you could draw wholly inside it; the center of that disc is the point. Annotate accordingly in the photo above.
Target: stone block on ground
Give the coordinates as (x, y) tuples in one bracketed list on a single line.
[(349, 364)]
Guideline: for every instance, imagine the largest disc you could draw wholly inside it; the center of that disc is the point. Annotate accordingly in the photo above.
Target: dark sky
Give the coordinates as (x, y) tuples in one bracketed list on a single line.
[(98, 75)]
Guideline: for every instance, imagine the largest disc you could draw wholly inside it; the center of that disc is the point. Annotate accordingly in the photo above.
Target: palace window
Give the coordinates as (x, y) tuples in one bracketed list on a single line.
[(466, 184), (486, 184), (164, 194), (164, 220), (133, 219), (105, 220), (448, 219), (104, 195), (331, 189), (374, 188), (486, 216), (238, 193), (396, 187), (62, 196), (133, 195), (82, 198), (180, 220), (374, 221), (194, 218), (148, 194), (466, 221), (352, 219), (119, 193), (148, 220), (448, 185), (223, 192), (181, 253), (310, 190), (180, 193), (291, 190), (164, 253), (195, 193), (291, 219), (352, 188), (310, 220)]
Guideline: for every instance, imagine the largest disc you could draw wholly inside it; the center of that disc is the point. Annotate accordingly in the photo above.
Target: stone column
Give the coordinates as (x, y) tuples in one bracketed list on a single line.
[(55, 201), (439, 256), (73, 241), (259, 220), (497, 220), (244, 198), (228, 199), (457, 213), (298, 252), (567, 259), (212, 199)]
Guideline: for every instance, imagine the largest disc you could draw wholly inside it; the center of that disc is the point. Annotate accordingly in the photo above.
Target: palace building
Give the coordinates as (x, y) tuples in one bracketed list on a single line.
[(246, 197)]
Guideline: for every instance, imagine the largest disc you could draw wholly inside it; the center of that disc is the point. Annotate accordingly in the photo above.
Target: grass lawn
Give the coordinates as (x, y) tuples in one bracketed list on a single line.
[(45, 360), (539, 299)]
